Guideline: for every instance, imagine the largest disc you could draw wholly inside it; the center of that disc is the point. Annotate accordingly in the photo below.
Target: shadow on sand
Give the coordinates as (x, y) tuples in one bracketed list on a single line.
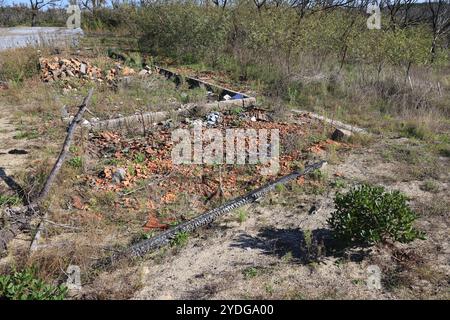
[(302, 247)]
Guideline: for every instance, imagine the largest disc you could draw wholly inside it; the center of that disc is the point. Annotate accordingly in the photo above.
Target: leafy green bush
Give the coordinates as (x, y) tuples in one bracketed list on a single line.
[(24, 285), (369, 214)]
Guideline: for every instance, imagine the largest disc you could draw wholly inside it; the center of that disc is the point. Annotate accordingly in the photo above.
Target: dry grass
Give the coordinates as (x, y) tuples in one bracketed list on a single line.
[(19, 64)]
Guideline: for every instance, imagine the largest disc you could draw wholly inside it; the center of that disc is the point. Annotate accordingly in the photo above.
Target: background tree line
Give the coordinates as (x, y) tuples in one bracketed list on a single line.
[(299, 50)]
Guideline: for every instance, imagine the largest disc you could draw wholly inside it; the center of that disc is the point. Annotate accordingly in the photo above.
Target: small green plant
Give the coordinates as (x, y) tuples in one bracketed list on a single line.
[(316, 138), (131, 170), (318, 175), (111, 162), (184, 97), (32, 134), (24, 285), (358, 282), (74, 149), (413, 130), (76, 162), (139, 158), (236, 111), (368, 214), (430, 186), (147, 235), (308, 236), (250, 272), (134, 60), (6, 200), (269, 288), (339, 183), (180, 239), (280, 188), (242, 215)]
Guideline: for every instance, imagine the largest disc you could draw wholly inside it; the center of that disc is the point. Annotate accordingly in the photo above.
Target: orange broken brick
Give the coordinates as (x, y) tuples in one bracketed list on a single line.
[(301, 180), (169, 197), (153, 223)]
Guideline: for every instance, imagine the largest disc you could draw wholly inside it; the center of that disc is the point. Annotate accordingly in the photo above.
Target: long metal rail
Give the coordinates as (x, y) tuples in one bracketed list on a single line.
[(141, 248)]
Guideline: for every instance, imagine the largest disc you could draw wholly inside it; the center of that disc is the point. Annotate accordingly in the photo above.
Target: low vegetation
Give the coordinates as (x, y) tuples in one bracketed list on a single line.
[(370, 214), (25, 285)]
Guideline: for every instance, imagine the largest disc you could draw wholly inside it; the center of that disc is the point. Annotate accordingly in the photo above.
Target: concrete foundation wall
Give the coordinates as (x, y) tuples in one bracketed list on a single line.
[(20, 37)]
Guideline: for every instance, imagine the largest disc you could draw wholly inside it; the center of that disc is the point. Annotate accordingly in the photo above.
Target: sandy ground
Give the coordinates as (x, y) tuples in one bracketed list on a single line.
[(11, 163), (282, 250)]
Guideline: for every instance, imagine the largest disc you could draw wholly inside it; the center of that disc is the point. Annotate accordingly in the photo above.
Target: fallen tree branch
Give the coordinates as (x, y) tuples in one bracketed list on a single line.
[(141, 248), (65, 149), (57, 167), (19, 217)]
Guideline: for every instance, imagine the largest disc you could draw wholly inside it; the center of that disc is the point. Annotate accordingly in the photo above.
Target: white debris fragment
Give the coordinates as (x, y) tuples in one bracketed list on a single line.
[(212, 118)]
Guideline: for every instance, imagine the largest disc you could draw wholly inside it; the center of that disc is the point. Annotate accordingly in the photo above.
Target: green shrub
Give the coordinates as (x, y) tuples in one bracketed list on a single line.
[(24, 285), (369, 214)]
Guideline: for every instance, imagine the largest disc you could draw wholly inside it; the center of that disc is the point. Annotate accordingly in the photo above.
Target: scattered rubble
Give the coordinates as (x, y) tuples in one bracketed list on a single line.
[(119, 175), (340, 134), (56, 68), (212, 118)]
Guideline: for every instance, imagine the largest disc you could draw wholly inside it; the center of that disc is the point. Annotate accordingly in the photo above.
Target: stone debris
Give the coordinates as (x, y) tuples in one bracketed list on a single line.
[(59, 68), (119, 175), (212, 118), (341, 134), (56, 68), (258, 115), (3, 85)]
